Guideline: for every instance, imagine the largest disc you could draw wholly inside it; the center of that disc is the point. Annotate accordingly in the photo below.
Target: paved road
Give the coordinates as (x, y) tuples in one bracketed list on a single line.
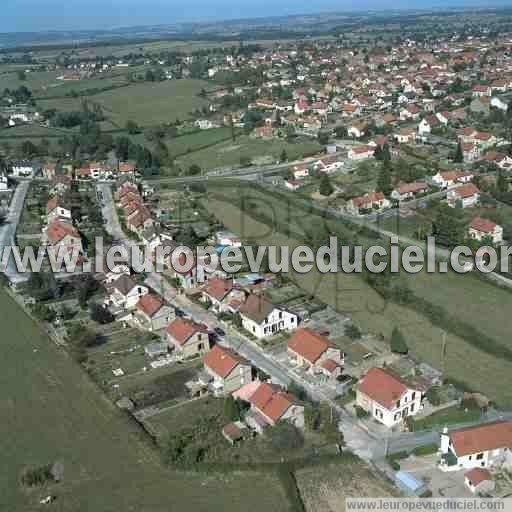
[(8, 229)]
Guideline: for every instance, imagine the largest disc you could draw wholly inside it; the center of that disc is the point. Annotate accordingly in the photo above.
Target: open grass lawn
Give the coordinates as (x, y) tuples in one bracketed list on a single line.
[(51, 411), (152, 103), (349, 294), (229, 153), (31, 131), (37, 81), (450, 416), (198, 140)]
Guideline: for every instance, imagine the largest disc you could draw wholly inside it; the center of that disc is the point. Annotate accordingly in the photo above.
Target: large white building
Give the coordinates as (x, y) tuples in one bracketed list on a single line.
[(387, 397), (263, 319), (481, 446)]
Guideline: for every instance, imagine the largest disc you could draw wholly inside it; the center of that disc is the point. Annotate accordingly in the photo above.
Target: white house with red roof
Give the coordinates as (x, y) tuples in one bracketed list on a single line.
[(387, 397), (316, 353), (406, 191), (481, 229), (361, 152), (466, 195), (63, 237), (481, 446), (227, 371), (187, 338), (56, 209), (370, 201)]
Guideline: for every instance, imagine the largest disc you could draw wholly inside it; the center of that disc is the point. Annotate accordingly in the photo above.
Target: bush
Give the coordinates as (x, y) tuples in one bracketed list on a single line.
[(37, 476), (361, 413), (398, 344), (285, 437), (353, 332), (427, 449), (433, 396), (101, 314)]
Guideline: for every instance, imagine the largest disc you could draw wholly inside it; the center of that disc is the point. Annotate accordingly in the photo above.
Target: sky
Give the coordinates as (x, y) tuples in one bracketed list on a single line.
[(42, 15)]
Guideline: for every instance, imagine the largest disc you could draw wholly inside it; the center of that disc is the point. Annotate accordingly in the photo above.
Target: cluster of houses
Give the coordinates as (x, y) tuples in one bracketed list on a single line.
[(59, 233)]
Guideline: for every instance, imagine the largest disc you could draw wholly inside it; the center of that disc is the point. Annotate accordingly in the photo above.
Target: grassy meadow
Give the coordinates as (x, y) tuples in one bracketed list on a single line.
[(51, 412)]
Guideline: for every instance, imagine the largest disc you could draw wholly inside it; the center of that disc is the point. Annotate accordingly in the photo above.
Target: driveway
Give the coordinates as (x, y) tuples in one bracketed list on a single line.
[(450, 484)]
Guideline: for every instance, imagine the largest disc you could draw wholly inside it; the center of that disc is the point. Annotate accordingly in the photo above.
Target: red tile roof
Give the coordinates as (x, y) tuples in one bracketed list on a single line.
[(482, 438), (466, 190), (222, 360), (218, 288), (382, 387), (149, 304), (182, 329), (58, 230), (308, 344), (477, 476), (483, 225), (271, 401)]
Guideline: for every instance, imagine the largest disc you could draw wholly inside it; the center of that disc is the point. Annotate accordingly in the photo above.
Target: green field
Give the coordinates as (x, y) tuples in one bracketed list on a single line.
[(52, 412), (229, 153), (477, 303), (194, 141), (37, 81), (152, 103)]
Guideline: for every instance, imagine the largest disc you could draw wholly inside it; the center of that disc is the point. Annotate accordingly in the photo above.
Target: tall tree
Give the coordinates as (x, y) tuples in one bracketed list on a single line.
[(459, 154), (384, 180), (326, 188), (398, 344)]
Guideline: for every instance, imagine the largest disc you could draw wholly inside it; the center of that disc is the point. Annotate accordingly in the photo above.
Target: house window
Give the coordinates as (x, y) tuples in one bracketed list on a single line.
[(280, 315), (412, 407), (413, 395), (200, 346), (253, 329), (397, 416), (398, 403), (480, 456)]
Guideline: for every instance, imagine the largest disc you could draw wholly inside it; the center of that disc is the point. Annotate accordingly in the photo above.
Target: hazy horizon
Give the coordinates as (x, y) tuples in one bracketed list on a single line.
[(50, 15)]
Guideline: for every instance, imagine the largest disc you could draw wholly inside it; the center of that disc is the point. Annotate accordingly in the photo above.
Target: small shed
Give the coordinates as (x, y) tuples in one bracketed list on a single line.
[(479, 481), (409, 484), (235, 432)]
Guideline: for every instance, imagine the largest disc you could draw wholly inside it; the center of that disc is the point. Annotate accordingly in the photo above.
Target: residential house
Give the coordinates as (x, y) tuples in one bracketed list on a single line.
[(481, 229), (57, 210), (151, 313), (219, 292), (263, 319), (405, 135), (466, 195), (227, 371), (316, 353), (480, 446), (63, 237), (361, 152), (387, 397), (479, 481), (124, 293), (357, 130), (271, 405), (187, 338), (481, 90), (370, 201), (407, 191), (300, 171)]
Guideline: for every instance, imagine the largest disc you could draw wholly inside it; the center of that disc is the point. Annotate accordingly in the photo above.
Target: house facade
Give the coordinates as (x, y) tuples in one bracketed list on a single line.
[(228, 370), (481, 446), (480, 229), (316, 353), (387, 398), (263, 319), (187, 338)]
